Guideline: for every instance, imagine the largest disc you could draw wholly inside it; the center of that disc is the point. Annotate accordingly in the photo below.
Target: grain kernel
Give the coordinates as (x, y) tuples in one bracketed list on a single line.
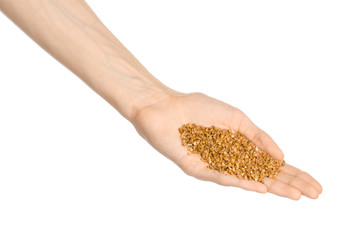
[(229, 152)]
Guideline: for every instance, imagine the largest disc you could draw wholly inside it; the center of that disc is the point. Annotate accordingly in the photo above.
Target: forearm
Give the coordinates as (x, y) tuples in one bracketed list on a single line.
[(71, 32)]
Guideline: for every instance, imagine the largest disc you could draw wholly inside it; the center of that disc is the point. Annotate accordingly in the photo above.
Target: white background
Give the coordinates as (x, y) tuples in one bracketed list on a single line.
[(72, 168)]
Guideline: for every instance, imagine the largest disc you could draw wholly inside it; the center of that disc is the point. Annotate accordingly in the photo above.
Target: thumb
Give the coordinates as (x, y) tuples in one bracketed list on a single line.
[(263, 141), (260, 138)]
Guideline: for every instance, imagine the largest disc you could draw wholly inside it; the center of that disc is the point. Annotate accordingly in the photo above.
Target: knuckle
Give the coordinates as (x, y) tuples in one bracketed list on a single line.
[(258, 138)]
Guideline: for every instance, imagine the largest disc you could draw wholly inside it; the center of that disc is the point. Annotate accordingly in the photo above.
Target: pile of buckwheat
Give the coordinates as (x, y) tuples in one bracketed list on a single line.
[(229, 152)]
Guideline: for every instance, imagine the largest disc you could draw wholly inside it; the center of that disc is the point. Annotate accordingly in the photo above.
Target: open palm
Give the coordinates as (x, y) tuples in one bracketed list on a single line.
[(158, 124)]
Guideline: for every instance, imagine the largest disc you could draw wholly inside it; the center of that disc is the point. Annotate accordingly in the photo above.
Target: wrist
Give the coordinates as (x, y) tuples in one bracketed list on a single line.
[(136, 93), (125, 85)]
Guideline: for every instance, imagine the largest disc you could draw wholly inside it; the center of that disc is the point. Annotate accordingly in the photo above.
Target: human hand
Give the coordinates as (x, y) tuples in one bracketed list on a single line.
[(158, 124), (71, 32)]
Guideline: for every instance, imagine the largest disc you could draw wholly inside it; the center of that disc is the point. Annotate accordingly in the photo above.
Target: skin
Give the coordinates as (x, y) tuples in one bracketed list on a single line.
[(71, 32)]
